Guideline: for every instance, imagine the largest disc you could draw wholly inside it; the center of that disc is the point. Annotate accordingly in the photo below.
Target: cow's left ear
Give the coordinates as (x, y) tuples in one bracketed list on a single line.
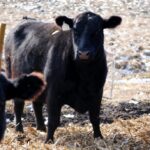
[(63, 19), (112, 22)]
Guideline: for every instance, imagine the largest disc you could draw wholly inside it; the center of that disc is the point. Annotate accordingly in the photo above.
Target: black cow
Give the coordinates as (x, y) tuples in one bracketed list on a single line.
[(73, 62), (24, 87)]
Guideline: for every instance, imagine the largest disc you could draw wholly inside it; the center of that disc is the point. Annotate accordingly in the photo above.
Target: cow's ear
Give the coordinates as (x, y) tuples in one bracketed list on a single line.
[(63, 19), (112, 22)]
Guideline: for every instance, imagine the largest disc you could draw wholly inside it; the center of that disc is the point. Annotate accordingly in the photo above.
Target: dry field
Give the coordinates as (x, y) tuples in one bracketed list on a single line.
[(125, 113)]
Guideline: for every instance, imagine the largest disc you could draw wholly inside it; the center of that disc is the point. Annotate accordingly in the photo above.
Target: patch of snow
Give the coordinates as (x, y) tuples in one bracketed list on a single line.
[(124, 58), (126, 71), (134, 80), (69, 116), (46, 121), (132, 101), (29, 107), (146, 52), (8, 120), (145, 57), (147, 64)]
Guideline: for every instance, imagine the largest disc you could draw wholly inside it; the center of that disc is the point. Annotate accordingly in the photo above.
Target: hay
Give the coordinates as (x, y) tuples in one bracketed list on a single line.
[(133, 37), (121, 134)]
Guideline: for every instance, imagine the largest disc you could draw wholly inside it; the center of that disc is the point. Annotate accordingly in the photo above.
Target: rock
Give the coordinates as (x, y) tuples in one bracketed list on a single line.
[(140, 48), (135, 56), (121, 64), (136, 65)]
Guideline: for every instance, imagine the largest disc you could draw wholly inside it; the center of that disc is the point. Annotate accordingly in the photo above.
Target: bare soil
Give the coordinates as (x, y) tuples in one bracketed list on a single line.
[(125, 120)]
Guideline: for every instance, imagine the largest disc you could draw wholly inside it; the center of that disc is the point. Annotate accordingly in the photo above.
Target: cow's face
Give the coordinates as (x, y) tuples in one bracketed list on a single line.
[(87, 32)]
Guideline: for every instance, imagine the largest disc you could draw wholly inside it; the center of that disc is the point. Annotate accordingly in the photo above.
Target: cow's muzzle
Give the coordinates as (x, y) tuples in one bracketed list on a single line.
[(84, 55)]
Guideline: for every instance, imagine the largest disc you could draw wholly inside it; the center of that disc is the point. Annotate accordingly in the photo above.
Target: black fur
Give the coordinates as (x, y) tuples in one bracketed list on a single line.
[(112, 22), (73, 62), (26, 87)]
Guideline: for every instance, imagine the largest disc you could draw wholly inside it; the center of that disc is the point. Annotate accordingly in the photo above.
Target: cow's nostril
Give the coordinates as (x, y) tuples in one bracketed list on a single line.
[(79, 52), (85, 53), (88, 53)]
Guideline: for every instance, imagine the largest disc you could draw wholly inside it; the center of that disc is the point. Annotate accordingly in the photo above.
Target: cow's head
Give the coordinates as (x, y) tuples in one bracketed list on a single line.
[(87, 31)]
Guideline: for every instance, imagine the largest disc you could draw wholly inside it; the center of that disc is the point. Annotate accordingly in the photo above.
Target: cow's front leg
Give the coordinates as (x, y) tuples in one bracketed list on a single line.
[(18, 110), (94, 113), (54, 109)]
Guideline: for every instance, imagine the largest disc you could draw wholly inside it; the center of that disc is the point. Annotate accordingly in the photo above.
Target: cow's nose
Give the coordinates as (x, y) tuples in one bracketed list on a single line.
[(83, 54)]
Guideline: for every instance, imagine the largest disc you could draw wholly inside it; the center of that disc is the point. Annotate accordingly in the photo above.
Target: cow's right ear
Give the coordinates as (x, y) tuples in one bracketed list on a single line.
[(63, 19)]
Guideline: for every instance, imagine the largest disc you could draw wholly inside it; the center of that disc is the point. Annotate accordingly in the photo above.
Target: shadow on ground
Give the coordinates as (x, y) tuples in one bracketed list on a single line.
[(109, 113)]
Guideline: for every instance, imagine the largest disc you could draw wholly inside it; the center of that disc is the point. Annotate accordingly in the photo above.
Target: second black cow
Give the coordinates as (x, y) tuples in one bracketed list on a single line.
[(73, 62)]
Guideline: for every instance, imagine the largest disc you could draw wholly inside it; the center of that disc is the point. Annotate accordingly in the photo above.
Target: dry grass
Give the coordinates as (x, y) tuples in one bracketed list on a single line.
[(122, 134), (124, 92), (133, 34)]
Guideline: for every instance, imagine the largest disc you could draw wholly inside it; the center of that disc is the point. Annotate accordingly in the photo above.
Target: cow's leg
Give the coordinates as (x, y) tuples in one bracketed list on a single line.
[(53, 123), (94, 113), (95, 120), (38, 114), (54, 110), (18, 110)]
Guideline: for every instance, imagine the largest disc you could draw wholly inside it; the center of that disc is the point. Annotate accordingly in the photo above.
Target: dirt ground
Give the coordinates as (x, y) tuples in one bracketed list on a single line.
[(125, 120)]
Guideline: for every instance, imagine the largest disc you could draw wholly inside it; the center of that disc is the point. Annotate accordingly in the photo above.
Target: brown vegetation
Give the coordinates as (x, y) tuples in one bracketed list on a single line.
[(130, 131)]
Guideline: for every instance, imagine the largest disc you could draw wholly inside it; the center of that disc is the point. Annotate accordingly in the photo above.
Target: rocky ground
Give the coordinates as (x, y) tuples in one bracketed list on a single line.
[(127, 90)]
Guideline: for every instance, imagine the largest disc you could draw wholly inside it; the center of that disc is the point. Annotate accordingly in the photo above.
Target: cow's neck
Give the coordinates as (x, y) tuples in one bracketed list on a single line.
[(85, 70)]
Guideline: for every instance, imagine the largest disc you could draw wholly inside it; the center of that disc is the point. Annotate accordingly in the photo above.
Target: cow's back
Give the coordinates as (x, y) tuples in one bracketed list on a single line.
[(27, 46)]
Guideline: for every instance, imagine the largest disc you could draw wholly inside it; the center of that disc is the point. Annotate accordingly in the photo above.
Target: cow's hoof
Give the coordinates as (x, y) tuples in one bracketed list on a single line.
[(49, 141), (99, 135)]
